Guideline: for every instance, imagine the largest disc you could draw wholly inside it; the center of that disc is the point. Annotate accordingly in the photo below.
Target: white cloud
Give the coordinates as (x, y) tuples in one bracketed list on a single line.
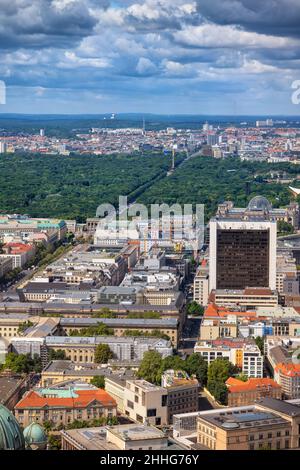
[(212, 35), (145, 66)]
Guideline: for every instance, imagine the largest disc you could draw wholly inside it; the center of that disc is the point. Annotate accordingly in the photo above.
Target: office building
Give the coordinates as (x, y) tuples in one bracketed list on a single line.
[(242, 254), (182, 391), (268, 424), (125, 349), (140, 400), (115, 438)]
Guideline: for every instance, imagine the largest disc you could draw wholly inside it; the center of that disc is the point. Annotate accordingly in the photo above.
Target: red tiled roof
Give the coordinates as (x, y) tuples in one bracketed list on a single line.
[(289, 369), (17, 248), (34, 400), (235, 385), (214, 310)]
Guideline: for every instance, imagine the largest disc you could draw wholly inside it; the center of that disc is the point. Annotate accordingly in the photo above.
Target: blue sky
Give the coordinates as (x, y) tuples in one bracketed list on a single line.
[(159, 56)]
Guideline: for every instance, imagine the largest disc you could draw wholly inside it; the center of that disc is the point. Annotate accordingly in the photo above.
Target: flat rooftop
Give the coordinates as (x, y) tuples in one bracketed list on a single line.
[(242, 417), (90, 438), (115, 322), (146, 386), (136, 432)]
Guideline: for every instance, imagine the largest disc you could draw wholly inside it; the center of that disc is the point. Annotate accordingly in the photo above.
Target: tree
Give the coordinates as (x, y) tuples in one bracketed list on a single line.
[(104, 313), (99, 330), (284, 227), (220, 392), (243, 377), (259, 341), (98, 381), (150, 367), (218, 372), (54, 442), (172, 362), (153, 333), (195, 309), (57, 355), (22, 363), (23, 326), (197, 365), (102, 354)]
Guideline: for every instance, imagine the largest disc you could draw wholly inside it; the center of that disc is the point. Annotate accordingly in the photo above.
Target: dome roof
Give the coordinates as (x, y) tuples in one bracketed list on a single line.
[(11, 437), (259, 203), (35, 434)]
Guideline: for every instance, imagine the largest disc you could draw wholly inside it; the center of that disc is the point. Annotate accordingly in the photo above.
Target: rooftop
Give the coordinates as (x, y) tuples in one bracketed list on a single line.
[(235, 385), (136, 432), (76, 399), (241, 417)]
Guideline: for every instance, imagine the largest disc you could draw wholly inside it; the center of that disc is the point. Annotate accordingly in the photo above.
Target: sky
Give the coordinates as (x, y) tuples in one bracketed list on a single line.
[(155, 56)]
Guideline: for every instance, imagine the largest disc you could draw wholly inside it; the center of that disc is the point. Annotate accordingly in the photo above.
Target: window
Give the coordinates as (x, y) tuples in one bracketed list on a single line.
[(251, 437), (278, 434), (130, 404), (151, 412), (269, 435), (164, 400), (157, 421), (136, 398), (286, 444), (278, 445), (261, 436), (287, 433)]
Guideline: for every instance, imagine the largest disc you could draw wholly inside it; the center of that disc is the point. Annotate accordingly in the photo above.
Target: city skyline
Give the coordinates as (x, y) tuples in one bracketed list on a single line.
[(179, 57)]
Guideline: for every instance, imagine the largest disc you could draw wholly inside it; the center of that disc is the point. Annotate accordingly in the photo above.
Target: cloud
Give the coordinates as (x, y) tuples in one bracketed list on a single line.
[(145, 67), (276, 17), (153, 55), (212, 35)]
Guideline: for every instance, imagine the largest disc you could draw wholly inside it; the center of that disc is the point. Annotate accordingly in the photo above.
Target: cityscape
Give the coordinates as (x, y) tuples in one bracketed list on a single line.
[(149, 229)]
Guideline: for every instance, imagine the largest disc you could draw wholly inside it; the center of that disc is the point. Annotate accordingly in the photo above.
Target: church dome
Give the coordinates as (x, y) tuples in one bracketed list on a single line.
[(35, 436), (259, 203), (11, 436)]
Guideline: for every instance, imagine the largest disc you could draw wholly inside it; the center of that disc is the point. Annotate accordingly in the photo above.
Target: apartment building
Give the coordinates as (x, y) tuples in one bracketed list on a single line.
[(288, 376), (219, 328), (201, 284), (63, 406), (249, 298), (242, 353), (139, 400)]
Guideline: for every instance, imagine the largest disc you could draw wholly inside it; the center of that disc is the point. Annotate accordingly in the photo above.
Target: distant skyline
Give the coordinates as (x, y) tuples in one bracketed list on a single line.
[(204, 57)]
